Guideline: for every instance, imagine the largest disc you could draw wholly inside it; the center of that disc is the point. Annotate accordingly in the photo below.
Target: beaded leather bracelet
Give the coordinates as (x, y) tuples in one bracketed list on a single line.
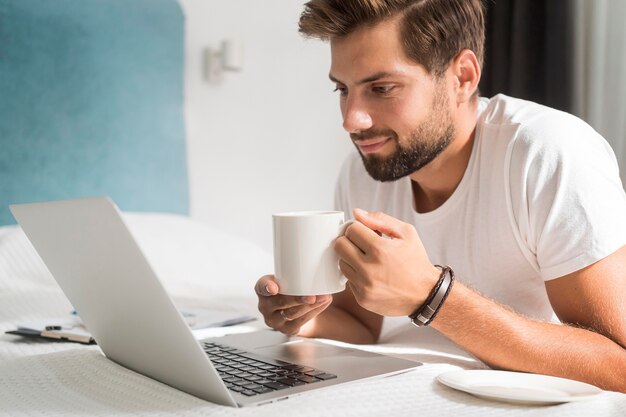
[(426, 313)]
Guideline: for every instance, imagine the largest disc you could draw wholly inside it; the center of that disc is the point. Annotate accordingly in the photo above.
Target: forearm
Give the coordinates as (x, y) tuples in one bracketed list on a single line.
[(337, 324), (503, 339)]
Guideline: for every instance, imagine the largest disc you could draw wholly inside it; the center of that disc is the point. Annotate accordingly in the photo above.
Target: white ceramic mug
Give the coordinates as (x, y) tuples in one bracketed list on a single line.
[(304, 260)]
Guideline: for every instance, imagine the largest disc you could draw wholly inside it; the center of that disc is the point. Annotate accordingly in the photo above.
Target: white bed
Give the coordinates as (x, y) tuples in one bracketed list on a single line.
[(202, 266)]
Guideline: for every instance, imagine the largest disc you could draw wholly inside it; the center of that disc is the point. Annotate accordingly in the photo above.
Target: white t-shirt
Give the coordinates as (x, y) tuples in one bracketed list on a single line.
[(541, 197)]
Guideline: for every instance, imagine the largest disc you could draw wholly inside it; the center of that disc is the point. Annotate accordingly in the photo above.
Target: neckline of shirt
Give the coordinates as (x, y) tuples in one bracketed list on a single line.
[(463, 186)]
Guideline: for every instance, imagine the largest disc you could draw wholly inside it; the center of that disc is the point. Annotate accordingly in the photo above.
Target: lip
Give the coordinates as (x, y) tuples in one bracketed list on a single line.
[(371, 146)]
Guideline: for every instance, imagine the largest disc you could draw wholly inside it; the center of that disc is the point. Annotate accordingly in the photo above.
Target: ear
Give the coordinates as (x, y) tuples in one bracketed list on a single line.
[(466, 71)]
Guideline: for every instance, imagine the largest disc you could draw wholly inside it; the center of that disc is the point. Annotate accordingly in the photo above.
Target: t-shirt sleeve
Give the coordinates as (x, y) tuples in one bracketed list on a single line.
[(567, 197)]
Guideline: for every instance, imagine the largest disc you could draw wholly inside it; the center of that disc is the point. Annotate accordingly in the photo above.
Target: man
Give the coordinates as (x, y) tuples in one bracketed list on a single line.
[(522, 202)]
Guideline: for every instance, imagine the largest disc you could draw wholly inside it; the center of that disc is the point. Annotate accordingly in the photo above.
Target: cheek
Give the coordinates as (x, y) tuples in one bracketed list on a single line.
[(402, 117)]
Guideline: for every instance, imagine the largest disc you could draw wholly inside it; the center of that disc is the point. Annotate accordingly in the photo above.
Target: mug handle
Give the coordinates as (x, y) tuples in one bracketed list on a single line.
[(341, 231), (343, 226)]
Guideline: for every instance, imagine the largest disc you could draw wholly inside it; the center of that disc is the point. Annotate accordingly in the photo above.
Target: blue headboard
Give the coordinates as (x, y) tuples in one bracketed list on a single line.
[(91, 103)]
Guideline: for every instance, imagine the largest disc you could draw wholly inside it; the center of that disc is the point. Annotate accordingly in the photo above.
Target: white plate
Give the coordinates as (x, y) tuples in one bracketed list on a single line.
[(517, 387)]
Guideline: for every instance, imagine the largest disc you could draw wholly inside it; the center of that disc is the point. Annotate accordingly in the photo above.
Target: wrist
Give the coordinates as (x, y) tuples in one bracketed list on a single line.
[(426, 312), (424, 286)]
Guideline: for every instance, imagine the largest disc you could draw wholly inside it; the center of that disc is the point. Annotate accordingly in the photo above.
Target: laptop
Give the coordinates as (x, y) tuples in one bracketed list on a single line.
[(97, 263)]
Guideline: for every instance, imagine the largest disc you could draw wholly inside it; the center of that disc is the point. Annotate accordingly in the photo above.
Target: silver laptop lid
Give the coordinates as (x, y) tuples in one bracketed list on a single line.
[(96, 261)]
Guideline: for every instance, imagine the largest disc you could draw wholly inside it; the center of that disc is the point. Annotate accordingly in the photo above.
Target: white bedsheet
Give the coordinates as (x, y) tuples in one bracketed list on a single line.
[(39, 378)]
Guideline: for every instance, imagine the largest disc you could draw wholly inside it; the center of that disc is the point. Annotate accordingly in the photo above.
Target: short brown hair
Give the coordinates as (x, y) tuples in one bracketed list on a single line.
[(433, 31)]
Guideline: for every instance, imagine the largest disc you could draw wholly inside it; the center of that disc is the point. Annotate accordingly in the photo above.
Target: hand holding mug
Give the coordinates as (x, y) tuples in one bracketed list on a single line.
[(287, 313), (306, 266)]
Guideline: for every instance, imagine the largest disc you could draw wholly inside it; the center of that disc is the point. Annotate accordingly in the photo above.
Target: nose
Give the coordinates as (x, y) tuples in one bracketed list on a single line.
[(356, 116)]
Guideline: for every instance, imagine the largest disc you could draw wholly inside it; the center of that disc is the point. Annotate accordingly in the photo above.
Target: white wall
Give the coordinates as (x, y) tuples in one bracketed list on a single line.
[(268, 138)]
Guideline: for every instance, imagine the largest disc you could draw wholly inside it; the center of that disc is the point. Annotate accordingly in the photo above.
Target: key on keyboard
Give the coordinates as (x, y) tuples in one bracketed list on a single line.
[(249, 374)]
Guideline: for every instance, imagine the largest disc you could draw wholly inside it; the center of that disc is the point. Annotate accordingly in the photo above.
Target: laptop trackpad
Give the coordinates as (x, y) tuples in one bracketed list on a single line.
[(305, 351)]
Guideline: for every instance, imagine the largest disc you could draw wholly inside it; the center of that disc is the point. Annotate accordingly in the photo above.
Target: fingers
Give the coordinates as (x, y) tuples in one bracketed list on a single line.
[(293, 326), (381, 222), (347, 250), (365, 234), (294, 313), (347, 270), (361, 236), (287, 313), (267, 290), (282, 302), (266, 286), (290, 320)]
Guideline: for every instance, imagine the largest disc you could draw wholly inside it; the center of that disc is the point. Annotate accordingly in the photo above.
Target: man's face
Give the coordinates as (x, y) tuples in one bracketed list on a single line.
[(398, 116)]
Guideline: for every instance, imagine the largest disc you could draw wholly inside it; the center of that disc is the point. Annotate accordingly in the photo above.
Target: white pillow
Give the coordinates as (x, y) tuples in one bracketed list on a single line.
[(191, 258), (196, 260)]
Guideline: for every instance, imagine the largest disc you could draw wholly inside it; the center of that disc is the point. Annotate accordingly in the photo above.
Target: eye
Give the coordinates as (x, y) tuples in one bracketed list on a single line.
[(383, 89), (342, 90)]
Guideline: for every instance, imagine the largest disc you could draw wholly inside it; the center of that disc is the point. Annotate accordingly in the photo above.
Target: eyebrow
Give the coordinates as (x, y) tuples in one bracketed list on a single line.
[(369, 79)]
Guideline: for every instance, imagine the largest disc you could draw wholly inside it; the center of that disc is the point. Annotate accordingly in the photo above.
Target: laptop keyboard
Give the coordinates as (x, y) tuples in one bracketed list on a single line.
[(250, 374)]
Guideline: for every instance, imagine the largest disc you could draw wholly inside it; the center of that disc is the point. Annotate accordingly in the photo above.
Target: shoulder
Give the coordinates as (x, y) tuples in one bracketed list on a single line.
[(534, 121), (564, 191), (544, 136)]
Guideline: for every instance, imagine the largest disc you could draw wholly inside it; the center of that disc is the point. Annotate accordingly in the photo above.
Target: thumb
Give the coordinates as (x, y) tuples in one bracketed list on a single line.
[(266, 286), (380, 222)]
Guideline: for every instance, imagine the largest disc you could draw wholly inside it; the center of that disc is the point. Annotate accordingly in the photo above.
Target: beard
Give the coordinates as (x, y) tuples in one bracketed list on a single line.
[(423, 144)]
